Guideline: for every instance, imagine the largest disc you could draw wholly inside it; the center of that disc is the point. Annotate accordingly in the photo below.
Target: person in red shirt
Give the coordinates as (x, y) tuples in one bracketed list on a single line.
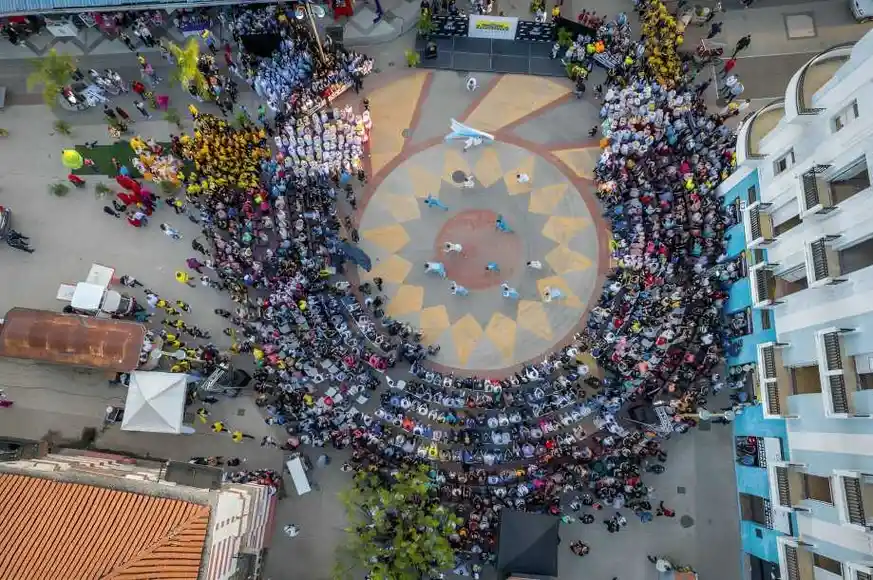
[(138, 88), (729, 65)]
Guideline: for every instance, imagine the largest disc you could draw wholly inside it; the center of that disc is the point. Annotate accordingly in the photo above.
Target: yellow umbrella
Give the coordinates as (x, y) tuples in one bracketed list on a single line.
[(72, 159)]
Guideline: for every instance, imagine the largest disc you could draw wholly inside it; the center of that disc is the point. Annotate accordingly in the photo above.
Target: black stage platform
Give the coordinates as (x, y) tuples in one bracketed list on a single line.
[(487, 55)]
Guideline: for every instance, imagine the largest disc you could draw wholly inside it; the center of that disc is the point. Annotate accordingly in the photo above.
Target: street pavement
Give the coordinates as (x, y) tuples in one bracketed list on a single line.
[(766, 77)]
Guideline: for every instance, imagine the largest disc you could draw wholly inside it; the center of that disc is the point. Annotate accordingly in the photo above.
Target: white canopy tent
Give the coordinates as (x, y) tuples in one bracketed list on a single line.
[(155, 402)]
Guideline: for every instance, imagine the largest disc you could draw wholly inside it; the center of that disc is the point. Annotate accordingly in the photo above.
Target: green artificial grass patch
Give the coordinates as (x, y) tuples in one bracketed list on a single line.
[(102, 156)]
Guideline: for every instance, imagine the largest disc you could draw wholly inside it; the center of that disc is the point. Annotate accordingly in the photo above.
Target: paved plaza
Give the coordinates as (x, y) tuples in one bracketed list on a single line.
[(552, 216), (540, 129)]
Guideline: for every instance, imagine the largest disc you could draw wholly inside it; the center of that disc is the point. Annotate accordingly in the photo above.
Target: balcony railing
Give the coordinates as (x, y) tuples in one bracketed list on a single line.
[(837, 372), (773, 379), (815, 194), (783, 486), (823, 263), (854, 501)]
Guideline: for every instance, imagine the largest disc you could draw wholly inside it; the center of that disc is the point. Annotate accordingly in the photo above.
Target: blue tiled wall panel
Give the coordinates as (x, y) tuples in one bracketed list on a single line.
[(764, 547), (752, 422), (753, 481)]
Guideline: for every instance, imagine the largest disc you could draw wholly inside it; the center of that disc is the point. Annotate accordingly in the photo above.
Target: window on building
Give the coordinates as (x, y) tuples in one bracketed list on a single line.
[(758, 256), (753, 509), (753, 194), (817, 488), (865, 381), (784, 162), (850, 181), (827, 564), (787, 225), (846, 116), (766, 324)]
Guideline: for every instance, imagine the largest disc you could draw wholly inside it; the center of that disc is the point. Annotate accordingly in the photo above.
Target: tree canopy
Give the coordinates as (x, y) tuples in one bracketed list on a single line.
[(51, 72), (398, 530)]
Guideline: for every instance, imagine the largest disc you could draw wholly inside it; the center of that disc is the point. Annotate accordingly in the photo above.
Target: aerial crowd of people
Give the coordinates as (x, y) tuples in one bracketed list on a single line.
[(277, 234)]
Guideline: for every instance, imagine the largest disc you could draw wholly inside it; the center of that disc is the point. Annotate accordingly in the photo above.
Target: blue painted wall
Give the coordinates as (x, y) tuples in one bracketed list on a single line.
[(752, 480), (764, 547), (752, 422), (740, 295)]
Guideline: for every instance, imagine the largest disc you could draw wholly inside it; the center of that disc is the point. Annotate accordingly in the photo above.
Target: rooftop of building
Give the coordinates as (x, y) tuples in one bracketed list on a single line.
[(55, 529)]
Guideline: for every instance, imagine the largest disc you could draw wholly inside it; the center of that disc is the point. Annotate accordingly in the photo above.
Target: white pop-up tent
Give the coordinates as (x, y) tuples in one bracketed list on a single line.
[(155, 402)]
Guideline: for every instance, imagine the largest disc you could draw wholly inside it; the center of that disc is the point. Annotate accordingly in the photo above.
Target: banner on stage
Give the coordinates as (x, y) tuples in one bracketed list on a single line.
[(494, 27)]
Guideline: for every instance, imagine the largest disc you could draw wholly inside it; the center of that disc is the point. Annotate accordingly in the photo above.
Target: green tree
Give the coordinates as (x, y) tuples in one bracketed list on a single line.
[(186, 72), (51, 72), (398, 530)]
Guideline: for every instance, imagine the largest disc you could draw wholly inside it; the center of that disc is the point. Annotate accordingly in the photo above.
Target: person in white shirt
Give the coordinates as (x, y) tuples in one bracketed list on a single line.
[(535, 265), (522, 178), (472, 142), (472, 84)]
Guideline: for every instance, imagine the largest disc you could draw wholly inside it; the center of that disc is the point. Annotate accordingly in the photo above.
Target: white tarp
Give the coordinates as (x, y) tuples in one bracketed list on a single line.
[(298, 475), (155, 402)]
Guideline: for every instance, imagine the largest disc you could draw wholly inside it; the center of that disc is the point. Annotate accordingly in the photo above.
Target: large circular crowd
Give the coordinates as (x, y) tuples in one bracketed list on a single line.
[(334, 370)]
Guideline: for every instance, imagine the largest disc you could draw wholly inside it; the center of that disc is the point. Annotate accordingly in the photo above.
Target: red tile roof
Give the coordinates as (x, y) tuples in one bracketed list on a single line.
[(72, 531)]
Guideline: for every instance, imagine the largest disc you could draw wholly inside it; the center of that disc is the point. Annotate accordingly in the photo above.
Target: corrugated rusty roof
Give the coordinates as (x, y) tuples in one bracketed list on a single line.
[(69, 339), (53, 529)]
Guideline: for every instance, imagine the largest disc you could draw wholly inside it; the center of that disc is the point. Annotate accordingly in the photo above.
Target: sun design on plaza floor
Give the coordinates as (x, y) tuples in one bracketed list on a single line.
[(551, 224)]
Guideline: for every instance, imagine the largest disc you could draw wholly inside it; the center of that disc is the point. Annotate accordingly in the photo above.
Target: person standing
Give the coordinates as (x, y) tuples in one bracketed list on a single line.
[(195, 264), (184, 278), (123, 114), (170, 232), (109, 113), (129, 281), (728, 66), (714, 30), (742, 44), (140, 106), (127, 42), (431, 201)]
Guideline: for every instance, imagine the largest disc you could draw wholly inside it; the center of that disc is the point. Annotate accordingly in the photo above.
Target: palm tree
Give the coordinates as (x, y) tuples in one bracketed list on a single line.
[(186, 72), (52, 72)]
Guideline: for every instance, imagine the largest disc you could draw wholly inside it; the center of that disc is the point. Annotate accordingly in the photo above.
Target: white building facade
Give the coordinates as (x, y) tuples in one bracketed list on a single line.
[(809, 238)]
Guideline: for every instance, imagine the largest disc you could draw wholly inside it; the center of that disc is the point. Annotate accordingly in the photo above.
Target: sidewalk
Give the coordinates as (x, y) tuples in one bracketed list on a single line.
[(783, 39), (789, 29), (400, 16)]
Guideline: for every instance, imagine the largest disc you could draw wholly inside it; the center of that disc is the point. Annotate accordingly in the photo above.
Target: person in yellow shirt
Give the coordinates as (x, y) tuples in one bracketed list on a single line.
[(218, 427), (237, 436)]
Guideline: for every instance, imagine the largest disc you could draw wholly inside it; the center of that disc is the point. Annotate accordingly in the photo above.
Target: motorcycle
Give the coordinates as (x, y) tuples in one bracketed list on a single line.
[(13, 239)]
